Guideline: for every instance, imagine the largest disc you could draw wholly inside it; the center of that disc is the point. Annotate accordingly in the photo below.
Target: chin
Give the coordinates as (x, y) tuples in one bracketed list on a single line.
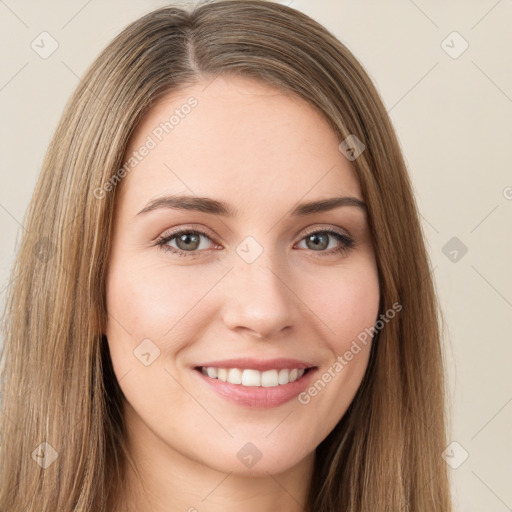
[(253, 459)]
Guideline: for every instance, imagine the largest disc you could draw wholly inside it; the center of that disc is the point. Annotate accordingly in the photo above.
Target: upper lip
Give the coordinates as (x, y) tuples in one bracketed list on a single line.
[(258, 364)]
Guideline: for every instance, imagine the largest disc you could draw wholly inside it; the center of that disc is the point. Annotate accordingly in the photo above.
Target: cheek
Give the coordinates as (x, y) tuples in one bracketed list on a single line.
[(349, 309), (349, 304), (354, 310), (147, 308), (149, 301)]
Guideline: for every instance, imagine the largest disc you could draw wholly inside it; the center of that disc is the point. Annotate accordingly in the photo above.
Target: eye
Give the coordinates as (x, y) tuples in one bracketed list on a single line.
[(188, 242), (318, 240)]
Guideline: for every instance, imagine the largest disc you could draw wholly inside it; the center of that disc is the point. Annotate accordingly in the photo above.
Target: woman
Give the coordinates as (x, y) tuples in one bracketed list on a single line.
[(223, 297)]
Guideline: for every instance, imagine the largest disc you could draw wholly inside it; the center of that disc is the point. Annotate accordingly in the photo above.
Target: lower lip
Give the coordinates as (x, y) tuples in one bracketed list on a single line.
[(257, 396)]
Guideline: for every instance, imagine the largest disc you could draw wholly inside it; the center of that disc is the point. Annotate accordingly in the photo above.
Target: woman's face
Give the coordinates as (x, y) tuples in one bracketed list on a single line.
[(257, 284)]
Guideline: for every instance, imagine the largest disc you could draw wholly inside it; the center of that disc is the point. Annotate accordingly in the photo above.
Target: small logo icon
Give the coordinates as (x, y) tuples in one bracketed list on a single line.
[(455, 455), (44, 249), (454, 45), (45, 455), (44, 45), (351, 147), (454, 249), (249, 249), (146, 352), (249, 455)]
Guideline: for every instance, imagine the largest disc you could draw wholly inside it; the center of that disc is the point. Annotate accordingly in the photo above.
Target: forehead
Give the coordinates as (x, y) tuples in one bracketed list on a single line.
[(236, 139)]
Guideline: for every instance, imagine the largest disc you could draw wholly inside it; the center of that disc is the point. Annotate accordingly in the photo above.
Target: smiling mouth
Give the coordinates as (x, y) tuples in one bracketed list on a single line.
[(254, 378)]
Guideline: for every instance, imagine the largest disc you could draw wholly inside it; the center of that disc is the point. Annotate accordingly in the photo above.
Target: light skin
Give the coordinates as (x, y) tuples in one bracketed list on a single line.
[(262, 152)]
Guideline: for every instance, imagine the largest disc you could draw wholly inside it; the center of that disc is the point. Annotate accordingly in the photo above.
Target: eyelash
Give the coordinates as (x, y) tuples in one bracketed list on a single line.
[(347, 243)]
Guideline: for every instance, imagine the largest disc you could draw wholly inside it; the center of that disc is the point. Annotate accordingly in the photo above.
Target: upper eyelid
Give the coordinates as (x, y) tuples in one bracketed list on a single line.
[(172, 232), (314, 229)]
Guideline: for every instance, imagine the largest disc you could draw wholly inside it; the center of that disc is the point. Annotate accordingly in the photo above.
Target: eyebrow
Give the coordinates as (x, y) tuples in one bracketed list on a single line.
[(214, 207)]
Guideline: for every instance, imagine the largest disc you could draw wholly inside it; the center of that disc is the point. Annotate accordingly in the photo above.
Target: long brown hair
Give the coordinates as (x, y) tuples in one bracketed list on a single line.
[(57, 378)]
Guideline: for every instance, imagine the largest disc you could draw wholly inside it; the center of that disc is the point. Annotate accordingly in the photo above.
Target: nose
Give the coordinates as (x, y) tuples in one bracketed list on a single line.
[(258, 299)]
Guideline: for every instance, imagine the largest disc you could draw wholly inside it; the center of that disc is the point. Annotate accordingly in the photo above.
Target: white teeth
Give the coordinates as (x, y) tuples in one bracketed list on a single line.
[(235, 376), (249, 377), (269, 379), (283, 376)]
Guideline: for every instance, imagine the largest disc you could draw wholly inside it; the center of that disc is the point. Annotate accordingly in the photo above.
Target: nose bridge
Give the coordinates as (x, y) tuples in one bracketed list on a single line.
[(258, 295)]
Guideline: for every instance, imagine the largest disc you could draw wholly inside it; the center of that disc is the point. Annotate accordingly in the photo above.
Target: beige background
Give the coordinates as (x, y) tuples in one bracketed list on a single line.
[(453, 118)]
